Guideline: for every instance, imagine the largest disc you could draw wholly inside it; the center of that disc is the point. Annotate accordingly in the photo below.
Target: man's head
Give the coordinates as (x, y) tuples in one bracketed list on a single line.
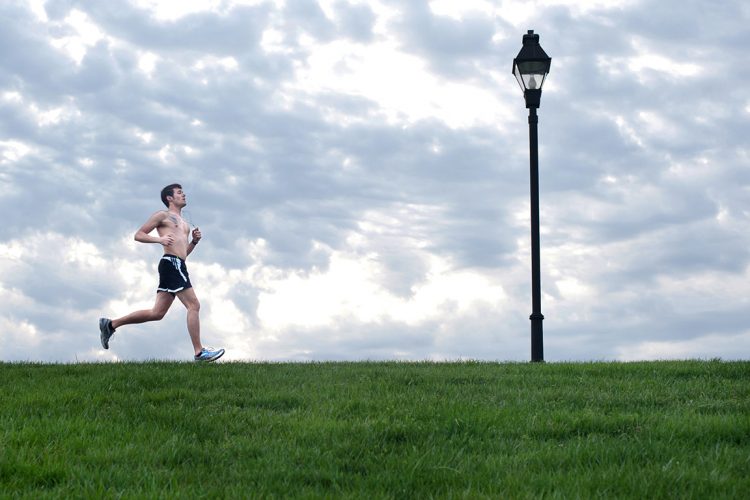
[(170, 193)]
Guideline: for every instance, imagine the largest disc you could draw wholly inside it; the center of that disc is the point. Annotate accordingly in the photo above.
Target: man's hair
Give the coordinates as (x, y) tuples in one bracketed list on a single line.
[(168, 191)]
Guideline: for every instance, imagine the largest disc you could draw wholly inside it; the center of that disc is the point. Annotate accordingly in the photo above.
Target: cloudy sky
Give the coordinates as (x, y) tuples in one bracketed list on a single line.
[(360, 172)]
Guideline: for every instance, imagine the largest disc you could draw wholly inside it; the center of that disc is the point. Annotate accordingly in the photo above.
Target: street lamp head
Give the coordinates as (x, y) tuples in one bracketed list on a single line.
[(531, 67)]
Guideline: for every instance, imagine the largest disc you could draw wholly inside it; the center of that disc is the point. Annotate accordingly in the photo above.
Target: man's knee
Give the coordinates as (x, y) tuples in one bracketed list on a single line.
[(194, 305), (158, 315), (189, 300)]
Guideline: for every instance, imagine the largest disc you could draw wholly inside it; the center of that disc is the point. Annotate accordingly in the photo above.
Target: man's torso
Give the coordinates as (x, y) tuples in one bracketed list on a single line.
[(180, 230)]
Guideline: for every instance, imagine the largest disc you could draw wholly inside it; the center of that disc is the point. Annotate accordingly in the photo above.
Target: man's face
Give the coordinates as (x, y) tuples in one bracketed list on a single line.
[(179, 198)]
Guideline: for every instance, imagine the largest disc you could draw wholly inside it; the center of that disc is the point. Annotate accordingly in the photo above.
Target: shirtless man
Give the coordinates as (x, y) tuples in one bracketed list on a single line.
[(174, 281)]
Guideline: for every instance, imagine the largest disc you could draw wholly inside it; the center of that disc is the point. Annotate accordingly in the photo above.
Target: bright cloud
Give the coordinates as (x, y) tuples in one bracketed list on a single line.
[(85, 34), (707, 347), (12, 151), (402, 86), (350, 289)]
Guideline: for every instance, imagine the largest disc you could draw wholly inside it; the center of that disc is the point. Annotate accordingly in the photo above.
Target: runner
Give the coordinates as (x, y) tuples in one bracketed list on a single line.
[(174, 280)]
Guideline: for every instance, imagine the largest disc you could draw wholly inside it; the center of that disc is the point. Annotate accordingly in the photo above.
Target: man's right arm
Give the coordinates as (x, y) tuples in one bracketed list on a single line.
[(142, 235)]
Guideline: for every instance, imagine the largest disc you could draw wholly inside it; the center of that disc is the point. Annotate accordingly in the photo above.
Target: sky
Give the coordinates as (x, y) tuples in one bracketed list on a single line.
[(359, 170)]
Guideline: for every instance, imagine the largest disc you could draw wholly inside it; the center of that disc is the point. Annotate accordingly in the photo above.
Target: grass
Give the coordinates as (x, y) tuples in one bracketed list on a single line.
[(376, 430)]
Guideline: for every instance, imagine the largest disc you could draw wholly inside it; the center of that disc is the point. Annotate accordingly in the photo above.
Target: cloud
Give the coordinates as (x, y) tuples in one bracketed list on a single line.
[(708, 347), (360, 172)]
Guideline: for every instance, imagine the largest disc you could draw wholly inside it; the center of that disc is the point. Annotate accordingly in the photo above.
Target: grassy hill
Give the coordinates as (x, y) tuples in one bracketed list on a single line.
[(376, 430)]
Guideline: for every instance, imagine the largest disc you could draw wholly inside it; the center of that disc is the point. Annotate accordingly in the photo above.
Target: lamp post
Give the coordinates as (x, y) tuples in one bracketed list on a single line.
[(531, 67)]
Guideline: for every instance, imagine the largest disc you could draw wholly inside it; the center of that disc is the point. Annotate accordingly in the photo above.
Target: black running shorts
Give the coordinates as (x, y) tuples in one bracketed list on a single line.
[(173, 275)]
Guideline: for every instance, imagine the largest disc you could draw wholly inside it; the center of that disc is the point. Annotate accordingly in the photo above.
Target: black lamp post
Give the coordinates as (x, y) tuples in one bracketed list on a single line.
[(531, 67)]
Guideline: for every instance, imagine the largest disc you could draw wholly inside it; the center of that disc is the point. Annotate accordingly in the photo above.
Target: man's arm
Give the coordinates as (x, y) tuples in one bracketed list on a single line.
[(196, 238), (142, 235)]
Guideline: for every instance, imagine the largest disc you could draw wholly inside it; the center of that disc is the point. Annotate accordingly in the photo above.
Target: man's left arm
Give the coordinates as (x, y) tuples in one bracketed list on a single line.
[(194, 242)]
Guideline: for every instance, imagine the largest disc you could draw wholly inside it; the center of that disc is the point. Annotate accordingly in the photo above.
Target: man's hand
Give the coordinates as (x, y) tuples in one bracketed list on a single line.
[(166, 240), (196, 235)]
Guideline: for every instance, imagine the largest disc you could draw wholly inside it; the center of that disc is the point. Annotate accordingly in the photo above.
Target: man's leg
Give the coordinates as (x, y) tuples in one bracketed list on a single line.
[(161, 306), (193, 306)]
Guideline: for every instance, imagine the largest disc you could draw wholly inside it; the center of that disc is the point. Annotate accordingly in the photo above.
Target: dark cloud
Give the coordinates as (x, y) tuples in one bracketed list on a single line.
[(307, 17), (29, 63), (232, 32), (456, 48), (355, 21)]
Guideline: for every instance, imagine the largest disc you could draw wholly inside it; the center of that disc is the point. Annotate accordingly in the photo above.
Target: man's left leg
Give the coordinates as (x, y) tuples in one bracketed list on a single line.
[(193, 306), (188, 298)]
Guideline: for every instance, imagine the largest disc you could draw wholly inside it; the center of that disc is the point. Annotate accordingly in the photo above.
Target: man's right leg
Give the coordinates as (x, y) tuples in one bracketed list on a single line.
[(161, 306)]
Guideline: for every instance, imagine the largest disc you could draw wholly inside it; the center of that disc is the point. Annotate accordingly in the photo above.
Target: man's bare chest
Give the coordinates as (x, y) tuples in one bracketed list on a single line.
[(174, 224)]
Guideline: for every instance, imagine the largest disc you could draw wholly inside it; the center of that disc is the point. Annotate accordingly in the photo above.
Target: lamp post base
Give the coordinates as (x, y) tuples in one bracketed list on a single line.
[(537, 345)]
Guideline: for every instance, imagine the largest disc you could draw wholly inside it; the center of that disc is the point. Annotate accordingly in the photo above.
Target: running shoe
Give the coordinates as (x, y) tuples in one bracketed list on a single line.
[(209, 354), (105, 327)]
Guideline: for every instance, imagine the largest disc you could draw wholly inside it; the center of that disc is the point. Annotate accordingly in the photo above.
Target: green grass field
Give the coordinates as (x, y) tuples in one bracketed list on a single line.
[(376, 430)]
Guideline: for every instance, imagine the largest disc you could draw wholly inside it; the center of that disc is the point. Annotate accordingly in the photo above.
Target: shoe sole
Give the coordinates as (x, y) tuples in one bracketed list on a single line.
[(103, 333)]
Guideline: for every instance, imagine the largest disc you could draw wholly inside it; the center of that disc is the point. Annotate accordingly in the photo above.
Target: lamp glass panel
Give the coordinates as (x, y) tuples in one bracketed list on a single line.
[(533, 67), (519, 78), (533, 81), (531, 74)]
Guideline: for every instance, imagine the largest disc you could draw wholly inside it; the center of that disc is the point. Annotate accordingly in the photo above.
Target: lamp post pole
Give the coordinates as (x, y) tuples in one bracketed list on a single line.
[(537, 343), (531, 67)]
